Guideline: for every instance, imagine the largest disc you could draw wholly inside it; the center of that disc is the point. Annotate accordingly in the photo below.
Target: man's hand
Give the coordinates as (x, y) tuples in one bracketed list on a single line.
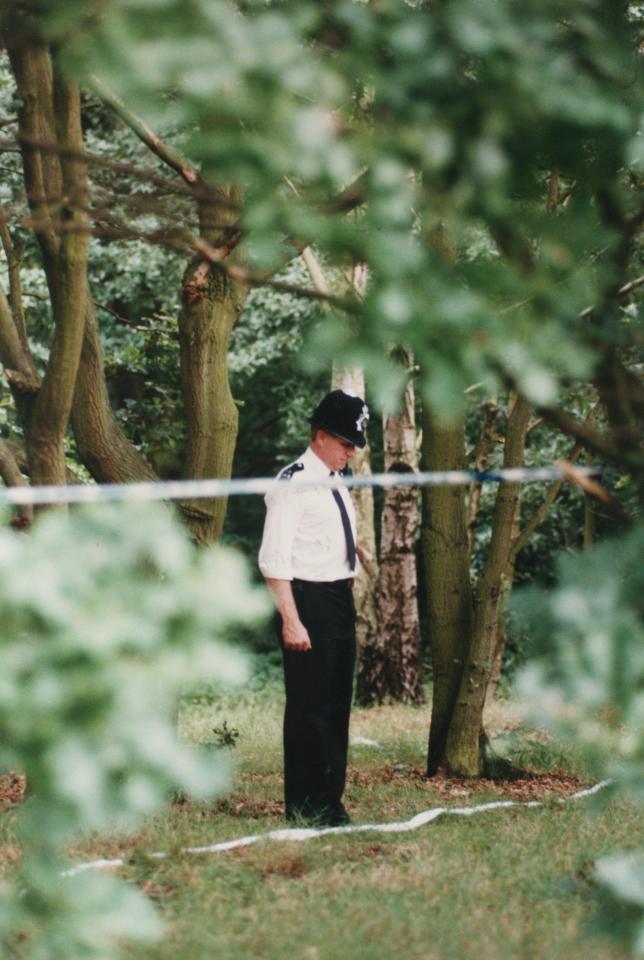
[(366, 560), (295, 635)]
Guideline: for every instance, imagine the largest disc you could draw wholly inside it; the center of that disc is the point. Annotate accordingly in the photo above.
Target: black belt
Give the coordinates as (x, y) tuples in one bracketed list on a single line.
[(296, 582)]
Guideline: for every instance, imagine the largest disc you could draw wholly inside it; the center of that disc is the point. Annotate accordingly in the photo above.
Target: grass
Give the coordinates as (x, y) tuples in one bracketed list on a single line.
[(504, 884)]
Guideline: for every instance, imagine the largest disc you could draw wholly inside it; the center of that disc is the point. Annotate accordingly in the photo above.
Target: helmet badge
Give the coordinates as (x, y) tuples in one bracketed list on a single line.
[(363, 419)]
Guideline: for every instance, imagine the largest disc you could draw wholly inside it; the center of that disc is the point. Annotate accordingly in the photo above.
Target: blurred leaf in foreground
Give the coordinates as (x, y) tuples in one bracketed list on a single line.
[(587, 685), (107, 614)]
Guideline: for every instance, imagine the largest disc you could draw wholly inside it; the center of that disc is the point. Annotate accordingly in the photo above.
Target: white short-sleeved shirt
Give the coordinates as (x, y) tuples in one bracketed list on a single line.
[(303, 533)]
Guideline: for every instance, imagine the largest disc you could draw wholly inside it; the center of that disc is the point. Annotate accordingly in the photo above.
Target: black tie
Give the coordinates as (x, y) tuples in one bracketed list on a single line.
[(346, 526)]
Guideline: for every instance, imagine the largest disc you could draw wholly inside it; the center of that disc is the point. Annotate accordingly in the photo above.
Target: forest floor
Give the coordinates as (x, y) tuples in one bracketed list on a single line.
[(506, 883)]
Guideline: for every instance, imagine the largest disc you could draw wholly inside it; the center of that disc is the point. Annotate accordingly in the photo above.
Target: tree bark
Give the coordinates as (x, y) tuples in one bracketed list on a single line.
[(12, 477), (51, 112), (589, 521), (449, 593), (14, 259), (370, 682), (398, 619), (212, 303), (463, 753), (481, 454), (501, 623), (102, 446)]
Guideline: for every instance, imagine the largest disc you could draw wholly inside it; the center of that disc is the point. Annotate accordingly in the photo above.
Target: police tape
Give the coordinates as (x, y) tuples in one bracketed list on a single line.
[(300, 834), (211, 488)]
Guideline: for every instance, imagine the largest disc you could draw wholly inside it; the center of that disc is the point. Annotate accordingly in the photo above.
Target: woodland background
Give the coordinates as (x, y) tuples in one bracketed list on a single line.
[(210, 213)]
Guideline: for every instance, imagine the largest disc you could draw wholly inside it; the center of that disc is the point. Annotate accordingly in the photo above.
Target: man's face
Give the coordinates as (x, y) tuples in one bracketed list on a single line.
[(335, 453)]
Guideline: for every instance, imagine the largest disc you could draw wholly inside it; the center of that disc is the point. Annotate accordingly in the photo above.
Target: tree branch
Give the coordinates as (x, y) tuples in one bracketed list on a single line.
[(14, 259), (171, 157), (32, 71), (260, 280), (621, 292), (480, 462), (593, 439), (594, 489), (15, 359), (316, 274), (552, 493), (12, 477), (50, 147)]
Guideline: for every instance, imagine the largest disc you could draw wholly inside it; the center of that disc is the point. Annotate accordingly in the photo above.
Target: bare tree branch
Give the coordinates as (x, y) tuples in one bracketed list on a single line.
[(48, 146), (164, 151)]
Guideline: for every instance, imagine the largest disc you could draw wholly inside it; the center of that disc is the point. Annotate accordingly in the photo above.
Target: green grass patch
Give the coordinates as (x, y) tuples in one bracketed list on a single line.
[(502, 884)]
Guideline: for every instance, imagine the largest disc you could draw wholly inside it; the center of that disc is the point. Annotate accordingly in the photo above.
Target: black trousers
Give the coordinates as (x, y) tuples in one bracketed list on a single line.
[(319, 687)]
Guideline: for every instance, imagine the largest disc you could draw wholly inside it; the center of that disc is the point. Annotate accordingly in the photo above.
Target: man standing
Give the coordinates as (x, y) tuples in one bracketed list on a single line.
[(308, 558)]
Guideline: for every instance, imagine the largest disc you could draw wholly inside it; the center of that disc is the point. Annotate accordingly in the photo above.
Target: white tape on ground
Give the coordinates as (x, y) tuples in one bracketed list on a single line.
[(300, 834)]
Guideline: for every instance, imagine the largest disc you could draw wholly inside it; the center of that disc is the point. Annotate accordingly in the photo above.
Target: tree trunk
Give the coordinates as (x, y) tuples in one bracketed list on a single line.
[(501, 623), (449, 594), (398, 587), (50, 112), (370, 672), (212, 303), (463, 753), (102, 446)]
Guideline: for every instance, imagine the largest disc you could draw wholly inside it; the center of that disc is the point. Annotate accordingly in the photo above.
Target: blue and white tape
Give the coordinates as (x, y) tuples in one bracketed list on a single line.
[(199, 489)]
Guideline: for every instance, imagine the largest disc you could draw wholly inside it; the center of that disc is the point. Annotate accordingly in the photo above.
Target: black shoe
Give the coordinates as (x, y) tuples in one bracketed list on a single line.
[(337, 816)]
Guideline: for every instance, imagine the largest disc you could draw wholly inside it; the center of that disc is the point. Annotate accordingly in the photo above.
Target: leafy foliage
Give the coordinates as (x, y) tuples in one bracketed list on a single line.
[(588, 683), (99, 639), (451, 116)]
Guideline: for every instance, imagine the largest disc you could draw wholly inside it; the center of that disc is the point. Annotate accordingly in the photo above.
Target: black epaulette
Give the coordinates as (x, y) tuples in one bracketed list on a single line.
[(288, 472)]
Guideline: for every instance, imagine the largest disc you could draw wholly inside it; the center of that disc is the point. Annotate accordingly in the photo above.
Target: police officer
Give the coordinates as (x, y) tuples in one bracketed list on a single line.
[(308, 558)]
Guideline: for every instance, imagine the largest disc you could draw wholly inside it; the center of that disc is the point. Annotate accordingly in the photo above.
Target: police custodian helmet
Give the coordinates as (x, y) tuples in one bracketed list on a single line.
[(343, 415)]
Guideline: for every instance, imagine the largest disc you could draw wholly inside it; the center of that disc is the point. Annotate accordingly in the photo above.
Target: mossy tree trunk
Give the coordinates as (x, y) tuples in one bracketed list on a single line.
[(447, 579), (463, 620), (501, 622), (212, 303), (57, 191), (74, 385), (102, 446), (464, 753)]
